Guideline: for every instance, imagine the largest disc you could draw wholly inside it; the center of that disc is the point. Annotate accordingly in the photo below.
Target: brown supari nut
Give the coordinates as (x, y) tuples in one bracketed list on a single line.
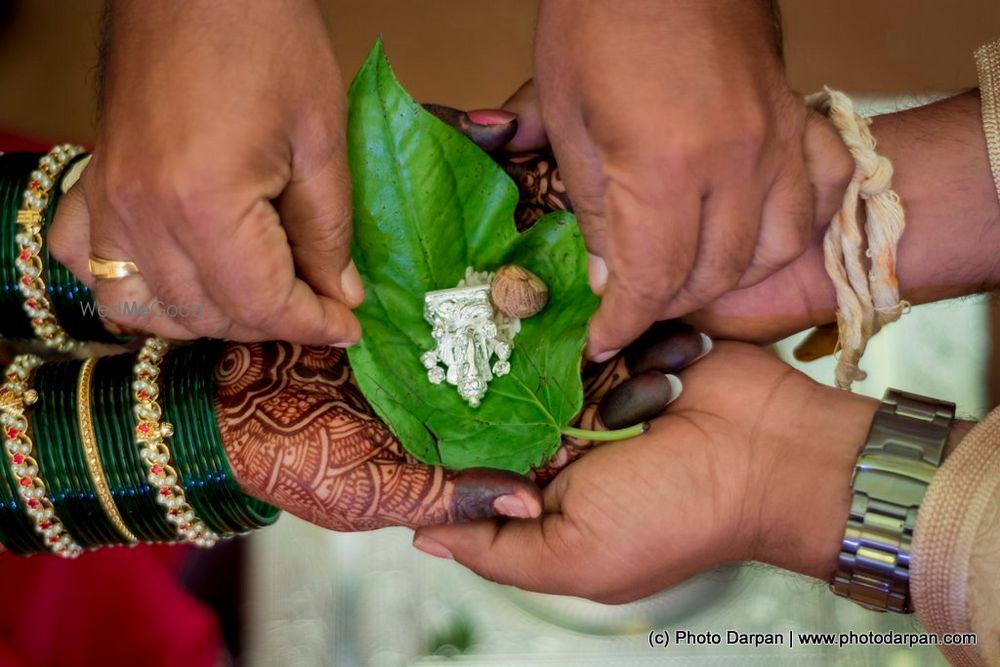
[(518, 292)]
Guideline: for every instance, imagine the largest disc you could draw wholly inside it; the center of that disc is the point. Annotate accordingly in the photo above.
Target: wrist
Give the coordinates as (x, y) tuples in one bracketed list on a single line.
[(943, 177), (817, 462), (808, 495)]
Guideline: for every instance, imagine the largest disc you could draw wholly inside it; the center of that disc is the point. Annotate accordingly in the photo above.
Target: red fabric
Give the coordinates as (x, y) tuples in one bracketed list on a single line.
[(11, 143), (112, 607), (116, 606)]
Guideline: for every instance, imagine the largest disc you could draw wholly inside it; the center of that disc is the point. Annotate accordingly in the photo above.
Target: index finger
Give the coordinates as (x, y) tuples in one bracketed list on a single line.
[(264, 293), (654, 242)]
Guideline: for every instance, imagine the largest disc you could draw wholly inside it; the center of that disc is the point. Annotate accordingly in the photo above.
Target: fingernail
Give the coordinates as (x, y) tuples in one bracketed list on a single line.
[(706, 345), (676, 387), (604, 356), (432, 547), (344, 346), (491, 116), (638, 399), (597, 273), (74, 174), (352, 286), (511, 506)]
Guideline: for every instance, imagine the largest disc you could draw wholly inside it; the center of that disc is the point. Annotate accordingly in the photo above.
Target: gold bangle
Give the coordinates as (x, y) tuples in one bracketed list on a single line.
[(94, 467), (15, 397)]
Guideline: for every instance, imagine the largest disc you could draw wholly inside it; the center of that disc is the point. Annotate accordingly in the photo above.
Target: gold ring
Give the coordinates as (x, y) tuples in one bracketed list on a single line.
[(111, 269)]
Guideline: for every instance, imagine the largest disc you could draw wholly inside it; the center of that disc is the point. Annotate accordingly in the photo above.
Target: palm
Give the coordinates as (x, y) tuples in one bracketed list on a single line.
[(704, 464), (704, 446)]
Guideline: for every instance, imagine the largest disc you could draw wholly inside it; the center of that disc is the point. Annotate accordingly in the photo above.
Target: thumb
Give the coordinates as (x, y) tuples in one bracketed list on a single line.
[(531, 134), (514, 553), (315, 210), (417, 495), (68, 236), (829, 166)]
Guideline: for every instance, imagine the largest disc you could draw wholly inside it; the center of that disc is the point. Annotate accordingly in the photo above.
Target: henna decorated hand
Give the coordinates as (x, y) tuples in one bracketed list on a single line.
[(300, 435)]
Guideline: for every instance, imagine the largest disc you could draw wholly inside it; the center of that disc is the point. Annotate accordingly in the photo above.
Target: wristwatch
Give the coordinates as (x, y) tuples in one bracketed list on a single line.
[(894, 469)]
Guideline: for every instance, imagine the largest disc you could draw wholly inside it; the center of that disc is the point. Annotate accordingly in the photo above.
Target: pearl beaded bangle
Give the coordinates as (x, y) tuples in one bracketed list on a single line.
[(15, 396), (152, 435), (29, 242)]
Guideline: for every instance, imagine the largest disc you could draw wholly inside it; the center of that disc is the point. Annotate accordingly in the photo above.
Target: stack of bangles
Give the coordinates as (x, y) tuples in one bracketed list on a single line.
[(105, 451)]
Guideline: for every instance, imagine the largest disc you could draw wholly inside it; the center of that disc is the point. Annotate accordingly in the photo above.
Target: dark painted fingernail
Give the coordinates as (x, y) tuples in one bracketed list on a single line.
[(639, 399), (480, 493), (432, 547), (667, 347), (491, 116), (489, 136)]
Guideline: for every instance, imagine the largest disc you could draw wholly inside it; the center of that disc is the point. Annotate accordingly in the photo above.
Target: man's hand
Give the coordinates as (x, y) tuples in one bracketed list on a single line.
[(949, 247), (720, 478), (220, 169), (681, 145)]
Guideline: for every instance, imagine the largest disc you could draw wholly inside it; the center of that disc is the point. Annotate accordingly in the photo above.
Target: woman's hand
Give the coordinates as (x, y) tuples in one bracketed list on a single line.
[(220, 170), (723, 476), (299, 434)]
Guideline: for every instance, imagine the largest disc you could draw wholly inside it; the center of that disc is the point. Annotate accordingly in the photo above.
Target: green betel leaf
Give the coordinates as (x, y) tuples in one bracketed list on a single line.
[(427, 204)]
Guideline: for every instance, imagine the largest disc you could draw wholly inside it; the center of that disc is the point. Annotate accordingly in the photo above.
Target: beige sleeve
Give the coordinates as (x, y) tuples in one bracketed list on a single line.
[(955, 569), (988, 64)]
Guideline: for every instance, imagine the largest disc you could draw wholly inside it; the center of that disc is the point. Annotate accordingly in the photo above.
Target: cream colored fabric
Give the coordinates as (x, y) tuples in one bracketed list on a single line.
[(988, 63), (955, 571)]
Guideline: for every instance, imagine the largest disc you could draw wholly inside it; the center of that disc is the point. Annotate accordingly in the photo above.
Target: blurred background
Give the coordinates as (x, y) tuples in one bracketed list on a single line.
[(296, 595)]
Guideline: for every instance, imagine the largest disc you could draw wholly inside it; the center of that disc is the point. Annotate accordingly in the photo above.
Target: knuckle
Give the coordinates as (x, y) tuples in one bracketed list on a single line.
[(644, 291), (331, 234), (261, 314), (209, 327), (751, 135), (60, 242)]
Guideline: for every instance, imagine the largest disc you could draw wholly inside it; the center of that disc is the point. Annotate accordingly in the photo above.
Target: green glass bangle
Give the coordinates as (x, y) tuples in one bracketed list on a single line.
[(86, 505), (110, 461), (189, 382), (181, 383), (201, 491), (113, 461), (113, 376), (14, 171), (45, 432), (59, 445)]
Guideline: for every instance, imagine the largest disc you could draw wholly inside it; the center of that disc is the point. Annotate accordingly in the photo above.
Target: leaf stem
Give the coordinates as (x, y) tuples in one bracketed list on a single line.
[(606, 436)]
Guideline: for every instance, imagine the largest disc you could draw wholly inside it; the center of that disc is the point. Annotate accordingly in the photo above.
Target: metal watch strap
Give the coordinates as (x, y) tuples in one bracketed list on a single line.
[(894, 469)]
